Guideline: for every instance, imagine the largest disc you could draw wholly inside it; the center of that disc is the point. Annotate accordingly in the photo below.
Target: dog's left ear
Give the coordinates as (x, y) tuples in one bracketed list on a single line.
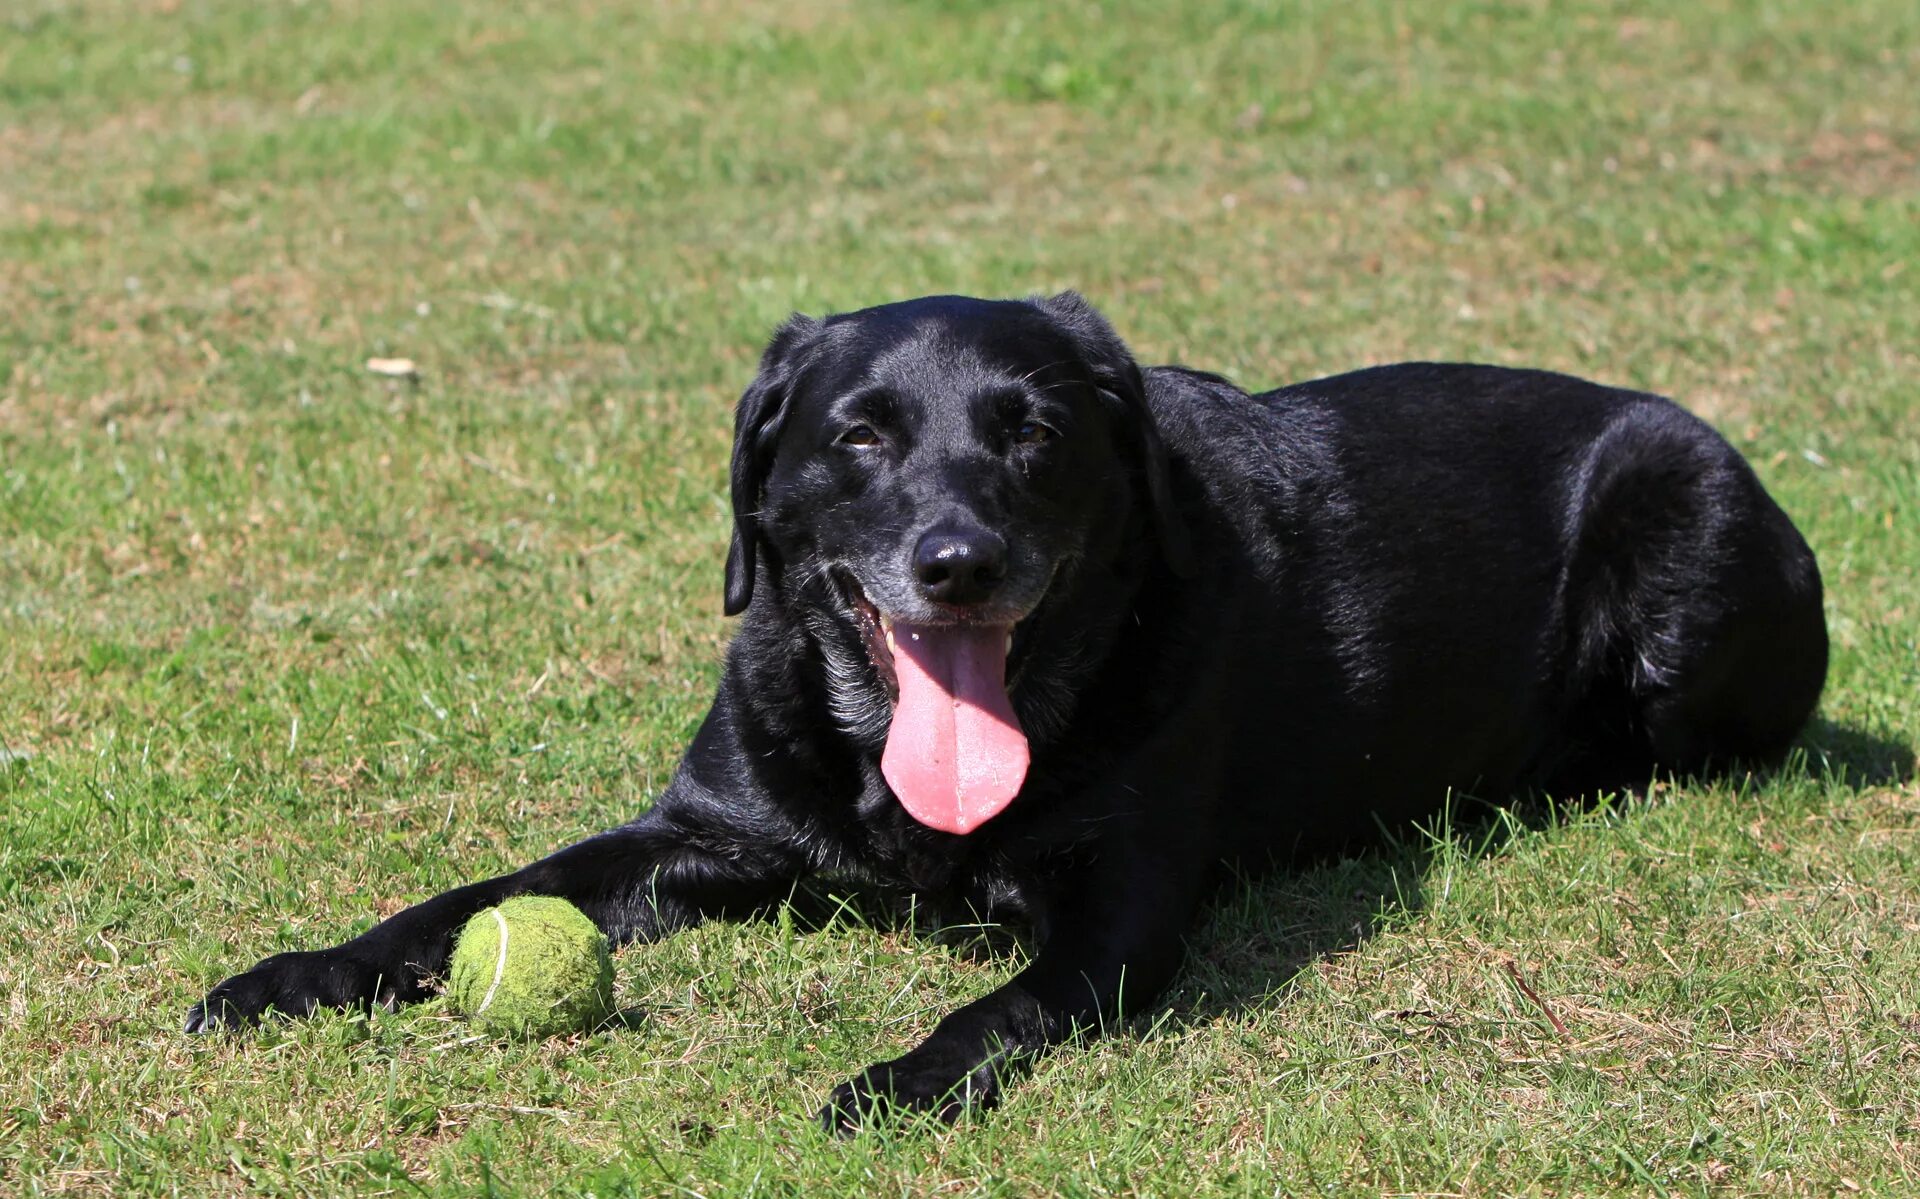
[(756, 431), (1118, 377)]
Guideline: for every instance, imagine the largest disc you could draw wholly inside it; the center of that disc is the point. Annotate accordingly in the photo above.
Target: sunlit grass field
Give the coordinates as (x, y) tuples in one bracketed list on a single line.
[(286, 644)]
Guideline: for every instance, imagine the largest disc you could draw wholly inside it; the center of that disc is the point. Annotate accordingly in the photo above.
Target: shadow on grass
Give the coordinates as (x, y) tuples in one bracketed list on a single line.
[(1262, 929), (1853, 758)]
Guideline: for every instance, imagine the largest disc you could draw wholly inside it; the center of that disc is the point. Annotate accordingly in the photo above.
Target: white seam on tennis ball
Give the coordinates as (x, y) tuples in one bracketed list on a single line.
[(499, 963)]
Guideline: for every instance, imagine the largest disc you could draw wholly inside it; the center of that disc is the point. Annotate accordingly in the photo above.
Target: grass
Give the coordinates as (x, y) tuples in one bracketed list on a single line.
[(285, 645)]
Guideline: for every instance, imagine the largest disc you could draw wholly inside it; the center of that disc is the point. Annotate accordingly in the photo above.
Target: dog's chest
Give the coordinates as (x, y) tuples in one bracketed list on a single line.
[(914, 859), (905, 856)]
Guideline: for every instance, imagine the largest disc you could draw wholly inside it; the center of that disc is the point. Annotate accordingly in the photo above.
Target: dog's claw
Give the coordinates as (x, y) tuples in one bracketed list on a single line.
[(215, 1013), (292, 984), (903, 1088), (221, 1010)]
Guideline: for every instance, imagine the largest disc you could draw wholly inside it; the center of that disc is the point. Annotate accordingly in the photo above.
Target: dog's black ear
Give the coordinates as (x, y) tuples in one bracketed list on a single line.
[(1118, 376), (756, 430)]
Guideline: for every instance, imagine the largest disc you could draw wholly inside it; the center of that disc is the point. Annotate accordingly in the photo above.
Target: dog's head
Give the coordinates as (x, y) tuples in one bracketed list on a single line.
[(920, 483)]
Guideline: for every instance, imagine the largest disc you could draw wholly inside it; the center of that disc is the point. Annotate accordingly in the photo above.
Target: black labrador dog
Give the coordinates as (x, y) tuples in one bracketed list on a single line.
[(1029, 630)]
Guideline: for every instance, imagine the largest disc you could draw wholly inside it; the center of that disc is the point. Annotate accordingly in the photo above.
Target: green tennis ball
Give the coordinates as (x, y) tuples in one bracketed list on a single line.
[(533, 967)]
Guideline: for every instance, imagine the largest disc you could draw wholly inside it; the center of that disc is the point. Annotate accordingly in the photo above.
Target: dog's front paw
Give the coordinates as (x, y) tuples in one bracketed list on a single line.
[(920, 1082), (294, 984)]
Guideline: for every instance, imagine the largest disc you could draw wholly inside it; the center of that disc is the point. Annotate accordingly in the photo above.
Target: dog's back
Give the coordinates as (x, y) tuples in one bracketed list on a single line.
[(1427, 576)]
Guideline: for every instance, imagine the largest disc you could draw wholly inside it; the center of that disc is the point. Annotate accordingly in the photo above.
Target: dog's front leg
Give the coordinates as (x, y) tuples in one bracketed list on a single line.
[(640, 881), (1114, 942)]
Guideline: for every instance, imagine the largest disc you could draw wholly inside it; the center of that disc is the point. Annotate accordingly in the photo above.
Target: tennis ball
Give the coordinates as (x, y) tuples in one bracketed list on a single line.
[(533, 967)]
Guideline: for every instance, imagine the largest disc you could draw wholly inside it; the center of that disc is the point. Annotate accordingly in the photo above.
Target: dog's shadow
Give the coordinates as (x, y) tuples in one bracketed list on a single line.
[(1261, 931)]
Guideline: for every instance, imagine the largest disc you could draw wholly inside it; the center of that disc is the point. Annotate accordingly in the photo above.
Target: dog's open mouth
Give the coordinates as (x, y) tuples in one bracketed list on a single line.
[(955, 754)]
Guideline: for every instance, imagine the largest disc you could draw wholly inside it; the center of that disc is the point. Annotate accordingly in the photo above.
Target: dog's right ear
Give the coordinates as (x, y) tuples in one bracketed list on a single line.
[(756, 430)]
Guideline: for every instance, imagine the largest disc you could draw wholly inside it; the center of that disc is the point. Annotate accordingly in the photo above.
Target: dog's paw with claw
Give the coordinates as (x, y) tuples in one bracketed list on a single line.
[(919, 1083), (295, 984)]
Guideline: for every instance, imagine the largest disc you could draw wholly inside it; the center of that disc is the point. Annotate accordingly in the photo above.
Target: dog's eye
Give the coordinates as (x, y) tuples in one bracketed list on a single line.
[(860, 435), (1033, 433)]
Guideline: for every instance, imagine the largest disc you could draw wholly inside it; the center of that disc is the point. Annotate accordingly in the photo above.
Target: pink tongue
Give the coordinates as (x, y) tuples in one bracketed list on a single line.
[(955, 754)]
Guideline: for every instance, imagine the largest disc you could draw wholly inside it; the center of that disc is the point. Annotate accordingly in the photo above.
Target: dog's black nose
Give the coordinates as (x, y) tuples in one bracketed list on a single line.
[(959, 567)]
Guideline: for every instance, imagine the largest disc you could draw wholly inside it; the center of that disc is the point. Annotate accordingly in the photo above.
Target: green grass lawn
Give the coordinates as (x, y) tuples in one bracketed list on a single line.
[(285, 645)]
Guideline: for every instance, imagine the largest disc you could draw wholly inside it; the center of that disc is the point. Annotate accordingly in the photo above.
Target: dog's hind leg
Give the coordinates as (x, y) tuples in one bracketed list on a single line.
[(1694, 604)]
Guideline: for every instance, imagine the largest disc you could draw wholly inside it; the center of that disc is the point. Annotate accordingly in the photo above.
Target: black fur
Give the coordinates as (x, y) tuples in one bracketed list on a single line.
[(1249, 626)]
